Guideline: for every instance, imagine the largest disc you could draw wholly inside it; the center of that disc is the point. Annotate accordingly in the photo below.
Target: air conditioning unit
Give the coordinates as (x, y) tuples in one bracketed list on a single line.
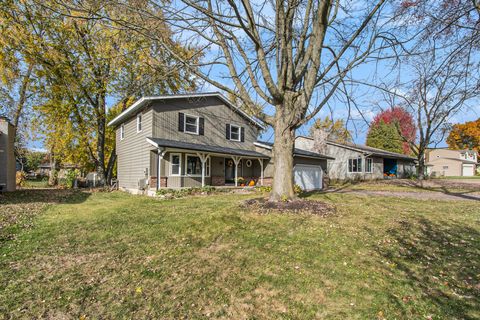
[(142, 184)]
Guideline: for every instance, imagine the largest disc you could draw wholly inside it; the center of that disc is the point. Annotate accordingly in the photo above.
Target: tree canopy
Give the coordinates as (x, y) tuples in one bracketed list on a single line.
[(465, 136)]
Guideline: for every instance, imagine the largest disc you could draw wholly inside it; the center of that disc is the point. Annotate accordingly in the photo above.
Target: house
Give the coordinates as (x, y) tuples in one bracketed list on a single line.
[(451, 163), (7, 156), (192, 140), (358, 162)]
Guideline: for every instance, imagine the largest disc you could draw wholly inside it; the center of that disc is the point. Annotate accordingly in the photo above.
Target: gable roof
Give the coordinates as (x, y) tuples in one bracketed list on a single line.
[(366, 149), (296, 152), (144, 101)]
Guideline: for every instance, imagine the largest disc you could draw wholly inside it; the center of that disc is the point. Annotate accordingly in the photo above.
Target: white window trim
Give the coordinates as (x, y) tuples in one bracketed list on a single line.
[(239, 132), (207, 164), (348, 165), (185, 124), (139, 122), (122, 132), (180, 165), (371, 166)]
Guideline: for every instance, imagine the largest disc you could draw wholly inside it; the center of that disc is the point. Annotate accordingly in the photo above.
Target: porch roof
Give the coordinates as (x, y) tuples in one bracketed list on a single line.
[(165, 143)]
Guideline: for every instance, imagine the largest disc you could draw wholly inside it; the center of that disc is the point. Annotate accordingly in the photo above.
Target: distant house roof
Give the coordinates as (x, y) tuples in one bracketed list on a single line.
[(455, 159), (144, 101), (158, 142), (365, 149), (296, 152)]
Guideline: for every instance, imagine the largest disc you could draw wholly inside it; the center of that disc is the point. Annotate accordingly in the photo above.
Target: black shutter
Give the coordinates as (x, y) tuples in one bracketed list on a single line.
[(227, 132), (201, 128), (242, 134), (181, 122)]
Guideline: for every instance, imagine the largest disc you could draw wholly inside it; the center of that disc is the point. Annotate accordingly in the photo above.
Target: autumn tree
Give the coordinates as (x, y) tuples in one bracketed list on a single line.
[(336, 130), (84, 62), (465, 136), (401, 120)]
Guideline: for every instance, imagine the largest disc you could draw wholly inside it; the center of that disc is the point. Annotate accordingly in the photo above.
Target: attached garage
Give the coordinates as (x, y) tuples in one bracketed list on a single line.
[(468, 170), (308, 177)]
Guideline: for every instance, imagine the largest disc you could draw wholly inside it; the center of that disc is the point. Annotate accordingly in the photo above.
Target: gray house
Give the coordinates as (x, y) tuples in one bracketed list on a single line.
[(359, 162), (7, 156), (193, 140)]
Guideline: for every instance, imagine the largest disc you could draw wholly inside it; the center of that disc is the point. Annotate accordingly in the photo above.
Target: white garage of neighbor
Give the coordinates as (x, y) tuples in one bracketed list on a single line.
[(308, 177), (468, 170)]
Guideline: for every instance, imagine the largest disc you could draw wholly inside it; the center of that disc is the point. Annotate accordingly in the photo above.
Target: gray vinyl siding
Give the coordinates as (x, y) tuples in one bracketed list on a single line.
[(269, 164), (216, 115), (133, 152), (7, 156)]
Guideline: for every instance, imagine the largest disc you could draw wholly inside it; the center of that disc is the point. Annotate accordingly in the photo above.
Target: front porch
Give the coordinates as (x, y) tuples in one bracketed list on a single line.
[(182, 165)]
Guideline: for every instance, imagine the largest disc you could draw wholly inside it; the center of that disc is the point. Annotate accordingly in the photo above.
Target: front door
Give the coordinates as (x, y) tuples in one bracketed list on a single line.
[(229, 171)]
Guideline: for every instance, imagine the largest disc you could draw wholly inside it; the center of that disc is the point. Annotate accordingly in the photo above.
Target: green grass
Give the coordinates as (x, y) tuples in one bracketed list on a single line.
[(117, 256), (461, 177)]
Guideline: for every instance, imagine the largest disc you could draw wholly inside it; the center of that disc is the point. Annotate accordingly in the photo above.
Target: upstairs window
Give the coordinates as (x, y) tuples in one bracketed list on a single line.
[(122, 132), (355, 165), (191, 124), (235, 133)]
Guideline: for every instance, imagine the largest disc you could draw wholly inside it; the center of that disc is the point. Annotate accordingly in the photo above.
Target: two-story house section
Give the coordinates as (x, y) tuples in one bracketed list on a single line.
[(190, 140), (451, 163)]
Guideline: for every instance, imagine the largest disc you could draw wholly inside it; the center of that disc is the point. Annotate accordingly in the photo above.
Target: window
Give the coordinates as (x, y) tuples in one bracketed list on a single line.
[(139, 122), (175, 164), (234, 133), (191, 124), (445, 167), (355, 165), (369, 165), (122, 132), (194, 166)]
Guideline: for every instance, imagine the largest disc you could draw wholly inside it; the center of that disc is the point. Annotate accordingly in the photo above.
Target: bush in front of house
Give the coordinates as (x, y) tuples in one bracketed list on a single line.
[(183, 192)]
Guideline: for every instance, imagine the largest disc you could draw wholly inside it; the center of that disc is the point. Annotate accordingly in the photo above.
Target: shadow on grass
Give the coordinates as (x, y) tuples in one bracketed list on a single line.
[(440, 260), (52, 195)]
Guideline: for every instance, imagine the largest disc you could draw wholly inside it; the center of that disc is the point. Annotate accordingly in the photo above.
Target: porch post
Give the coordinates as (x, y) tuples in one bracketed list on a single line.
[(261, 171), (203, 159), (161, 153), (236, 161)]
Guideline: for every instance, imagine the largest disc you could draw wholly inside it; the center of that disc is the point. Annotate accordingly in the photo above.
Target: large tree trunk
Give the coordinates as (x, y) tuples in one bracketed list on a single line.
[(421, 166), (22, 97), (101, 125), (282, 188), (52, 176)]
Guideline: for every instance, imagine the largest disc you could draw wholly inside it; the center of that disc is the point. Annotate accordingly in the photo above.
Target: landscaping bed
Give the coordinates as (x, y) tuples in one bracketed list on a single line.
[(263, 206)]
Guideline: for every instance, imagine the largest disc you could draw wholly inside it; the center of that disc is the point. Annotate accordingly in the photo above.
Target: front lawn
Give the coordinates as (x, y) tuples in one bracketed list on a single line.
[(117, 256)]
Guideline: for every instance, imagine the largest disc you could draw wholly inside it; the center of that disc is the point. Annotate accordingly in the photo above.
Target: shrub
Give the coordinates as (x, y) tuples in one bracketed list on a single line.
[(297, 189), (20, 178), (264, 188), (70, 177)]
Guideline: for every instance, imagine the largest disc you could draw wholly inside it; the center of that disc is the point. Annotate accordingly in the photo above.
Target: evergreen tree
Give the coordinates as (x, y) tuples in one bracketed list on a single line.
[(385, 136)]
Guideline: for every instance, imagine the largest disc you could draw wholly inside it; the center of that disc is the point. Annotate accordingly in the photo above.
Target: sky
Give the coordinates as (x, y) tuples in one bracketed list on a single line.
[(367, 99)]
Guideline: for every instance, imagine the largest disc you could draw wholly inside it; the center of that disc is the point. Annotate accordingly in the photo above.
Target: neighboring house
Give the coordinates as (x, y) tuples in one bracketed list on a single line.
[(7, 156), (451, 163), (191, 140), (45, 168), (359, 162)]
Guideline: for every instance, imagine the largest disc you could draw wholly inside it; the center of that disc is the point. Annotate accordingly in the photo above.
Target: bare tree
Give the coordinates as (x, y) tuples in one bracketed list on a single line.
[(440, 83), (283, 60)]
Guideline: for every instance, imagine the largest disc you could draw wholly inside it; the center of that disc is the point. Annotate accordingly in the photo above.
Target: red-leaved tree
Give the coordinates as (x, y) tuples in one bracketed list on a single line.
[(403, 120)]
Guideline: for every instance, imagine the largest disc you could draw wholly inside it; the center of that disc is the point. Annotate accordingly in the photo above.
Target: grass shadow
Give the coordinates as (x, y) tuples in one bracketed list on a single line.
[(440, 260), (25, 196)]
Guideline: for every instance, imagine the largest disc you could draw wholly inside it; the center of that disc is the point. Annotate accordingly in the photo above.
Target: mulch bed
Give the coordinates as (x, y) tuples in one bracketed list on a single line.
[(263, 206)]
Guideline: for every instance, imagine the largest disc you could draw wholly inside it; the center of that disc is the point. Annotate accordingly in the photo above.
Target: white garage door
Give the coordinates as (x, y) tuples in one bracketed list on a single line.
[(308, 177), (467, 170)]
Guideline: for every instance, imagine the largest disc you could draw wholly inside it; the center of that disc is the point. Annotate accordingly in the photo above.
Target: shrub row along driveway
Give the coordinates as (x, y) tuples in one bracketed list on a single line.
[(112, 255)]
